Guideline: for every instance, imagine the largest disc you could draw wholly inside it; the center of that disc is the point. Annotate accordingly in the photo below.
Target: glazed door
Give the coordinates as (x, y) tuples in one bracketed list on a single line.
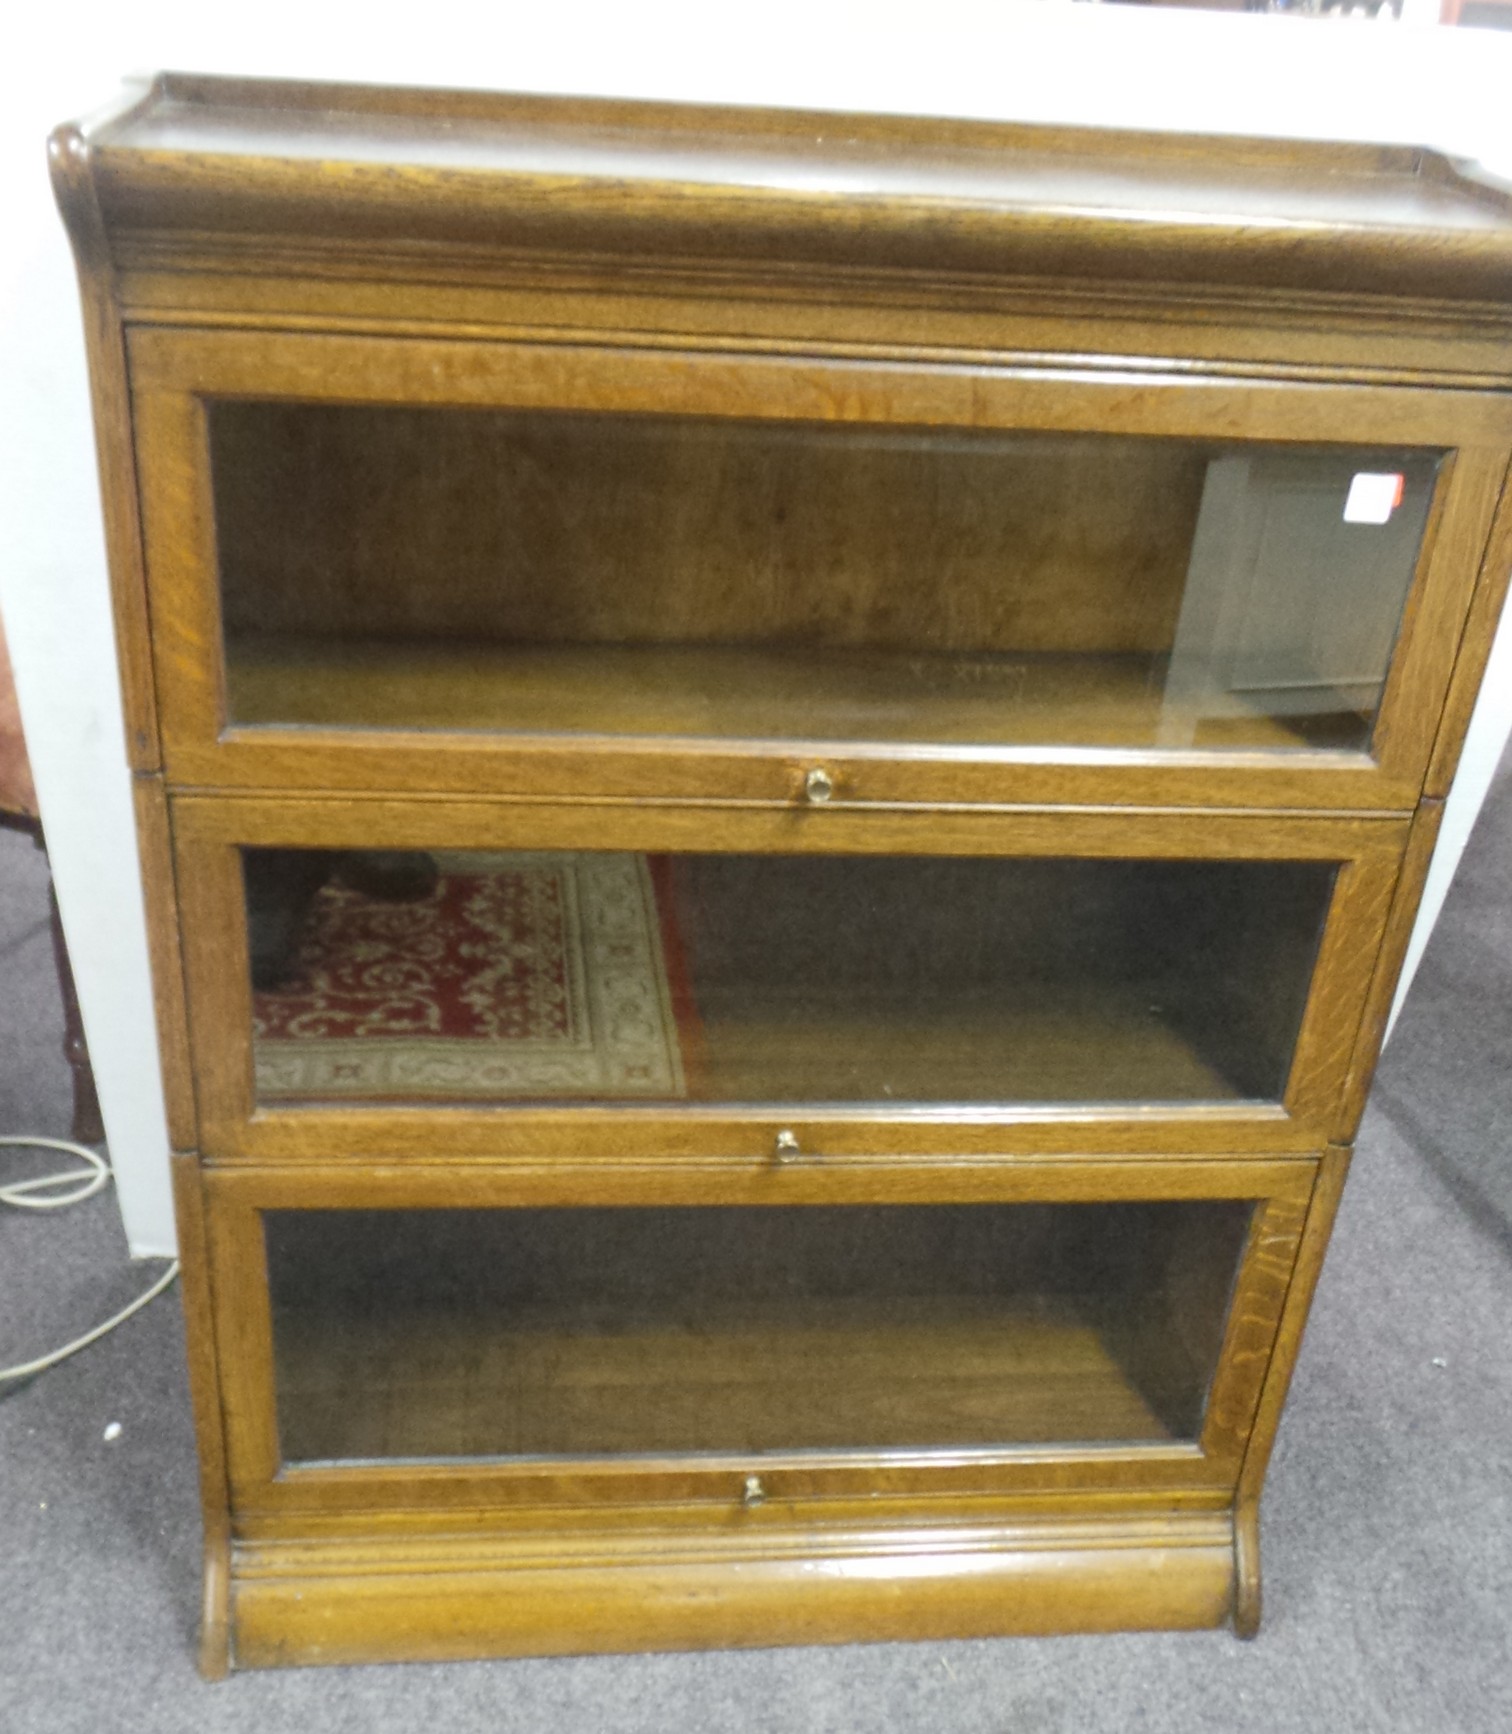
[(477, 1337), (387, 978), (610, 572)]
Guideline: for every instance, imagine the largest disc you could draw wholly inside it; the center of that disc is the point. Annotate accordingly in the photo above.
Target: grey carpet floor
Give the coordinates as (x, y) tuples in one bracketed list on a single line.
[(1387, 1522)]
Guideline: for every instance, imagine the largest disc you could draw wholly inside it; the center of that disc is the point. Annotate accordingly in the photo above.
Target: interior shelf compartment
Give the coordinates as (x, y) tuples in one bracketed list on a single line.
[(674, 576), (745, 1330), (583, 975)]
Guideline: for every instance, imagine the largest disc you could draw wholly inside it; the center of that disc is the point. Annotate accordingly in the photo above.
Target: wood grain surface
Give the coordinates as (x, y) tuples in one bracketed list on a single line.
[(313, 1601), (354, 355), (556, 174)]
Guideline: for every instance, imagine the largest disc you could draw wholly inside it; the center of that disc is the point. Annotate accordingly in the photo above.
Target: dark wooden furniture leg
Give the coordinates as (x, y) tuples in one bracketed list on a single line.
[(88, 1128)]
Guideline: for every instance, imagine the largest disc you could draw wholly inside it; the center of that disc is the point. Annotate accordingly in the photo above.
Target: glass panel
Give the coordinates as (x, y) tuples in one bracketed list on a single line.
[(545, 1332), (453, 977), (549, 572)]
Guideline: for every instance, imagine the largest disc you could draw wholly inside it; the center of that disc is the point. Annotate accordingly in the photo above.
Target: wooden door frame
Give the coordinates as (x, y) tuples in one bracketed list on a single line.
[(176, 371), (210, 830), (262, 1485)]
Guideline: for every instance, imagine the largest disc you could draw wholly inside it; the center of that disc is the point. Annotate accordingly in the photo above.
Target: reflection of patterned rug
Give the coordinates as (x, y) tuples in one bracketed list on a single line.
[(517, 976)]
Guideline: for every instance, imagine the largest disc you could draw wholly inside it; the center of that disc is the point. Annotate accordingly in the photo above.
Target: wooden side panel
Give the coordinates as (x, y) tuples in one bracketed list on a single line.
[(244, 1345), (1341, 982), (1436, 610), (179, 539), (205, 1396), (1394, 934), (1332, 1172), (159, 887), (104, 335), (1254, 1314), (1474, 647)]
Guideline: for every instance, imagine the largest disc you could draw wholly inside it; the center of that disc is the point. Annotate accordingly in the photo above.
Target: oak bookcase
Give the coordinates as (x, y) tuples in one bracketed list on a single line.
[(783, 764)]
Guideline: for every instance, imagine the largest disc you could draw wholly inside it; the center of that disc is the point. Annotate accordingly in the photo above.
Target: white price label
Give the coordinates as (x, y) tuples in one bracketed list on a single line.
[(1373, 497)]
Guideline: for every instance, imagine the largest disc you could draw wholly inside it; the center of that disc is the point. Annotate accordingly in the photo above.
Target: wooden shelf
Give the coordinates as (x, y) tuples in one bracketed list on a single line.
[(761, 1375), (1067, 1046), (731, 692), (1030, 1043)]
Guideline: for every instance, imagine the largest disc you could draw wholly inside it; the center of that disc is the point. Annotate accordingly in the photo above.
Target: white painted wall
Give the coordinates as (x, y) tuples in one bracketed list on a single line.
[(1484, 745), (1110, 65)]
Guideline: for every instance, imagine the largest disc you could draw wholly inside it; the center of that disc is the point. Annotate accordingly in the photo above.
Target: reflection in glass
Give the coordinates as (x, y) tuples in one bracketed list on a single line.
[(386, 568), (497, 977), (544, 1332)]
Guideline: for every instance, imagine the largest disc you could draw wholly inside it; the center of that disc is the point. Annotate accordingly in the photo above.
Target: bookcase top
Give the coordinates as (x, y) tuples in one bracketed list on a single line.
[(348, 166)]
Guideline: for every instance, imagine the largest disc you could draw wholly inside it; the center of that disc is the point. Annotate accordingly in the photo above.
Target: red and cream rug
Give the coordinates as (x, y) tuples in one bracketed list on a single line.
[(519, 976)]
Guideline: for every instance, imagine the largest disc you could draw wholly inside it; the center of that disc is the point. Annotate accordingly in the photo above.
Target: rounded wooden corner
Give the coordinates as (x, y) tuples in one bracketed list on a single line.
[(70, 162), (214, 1657), (73, 187), (1247, 1570)]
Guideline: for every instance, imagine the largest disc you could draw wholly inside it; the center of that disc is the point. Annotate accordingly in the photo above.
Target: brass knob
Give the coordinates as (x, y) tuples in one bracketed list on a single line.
[(818, 785), (754, 1493), (786, 1145)]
